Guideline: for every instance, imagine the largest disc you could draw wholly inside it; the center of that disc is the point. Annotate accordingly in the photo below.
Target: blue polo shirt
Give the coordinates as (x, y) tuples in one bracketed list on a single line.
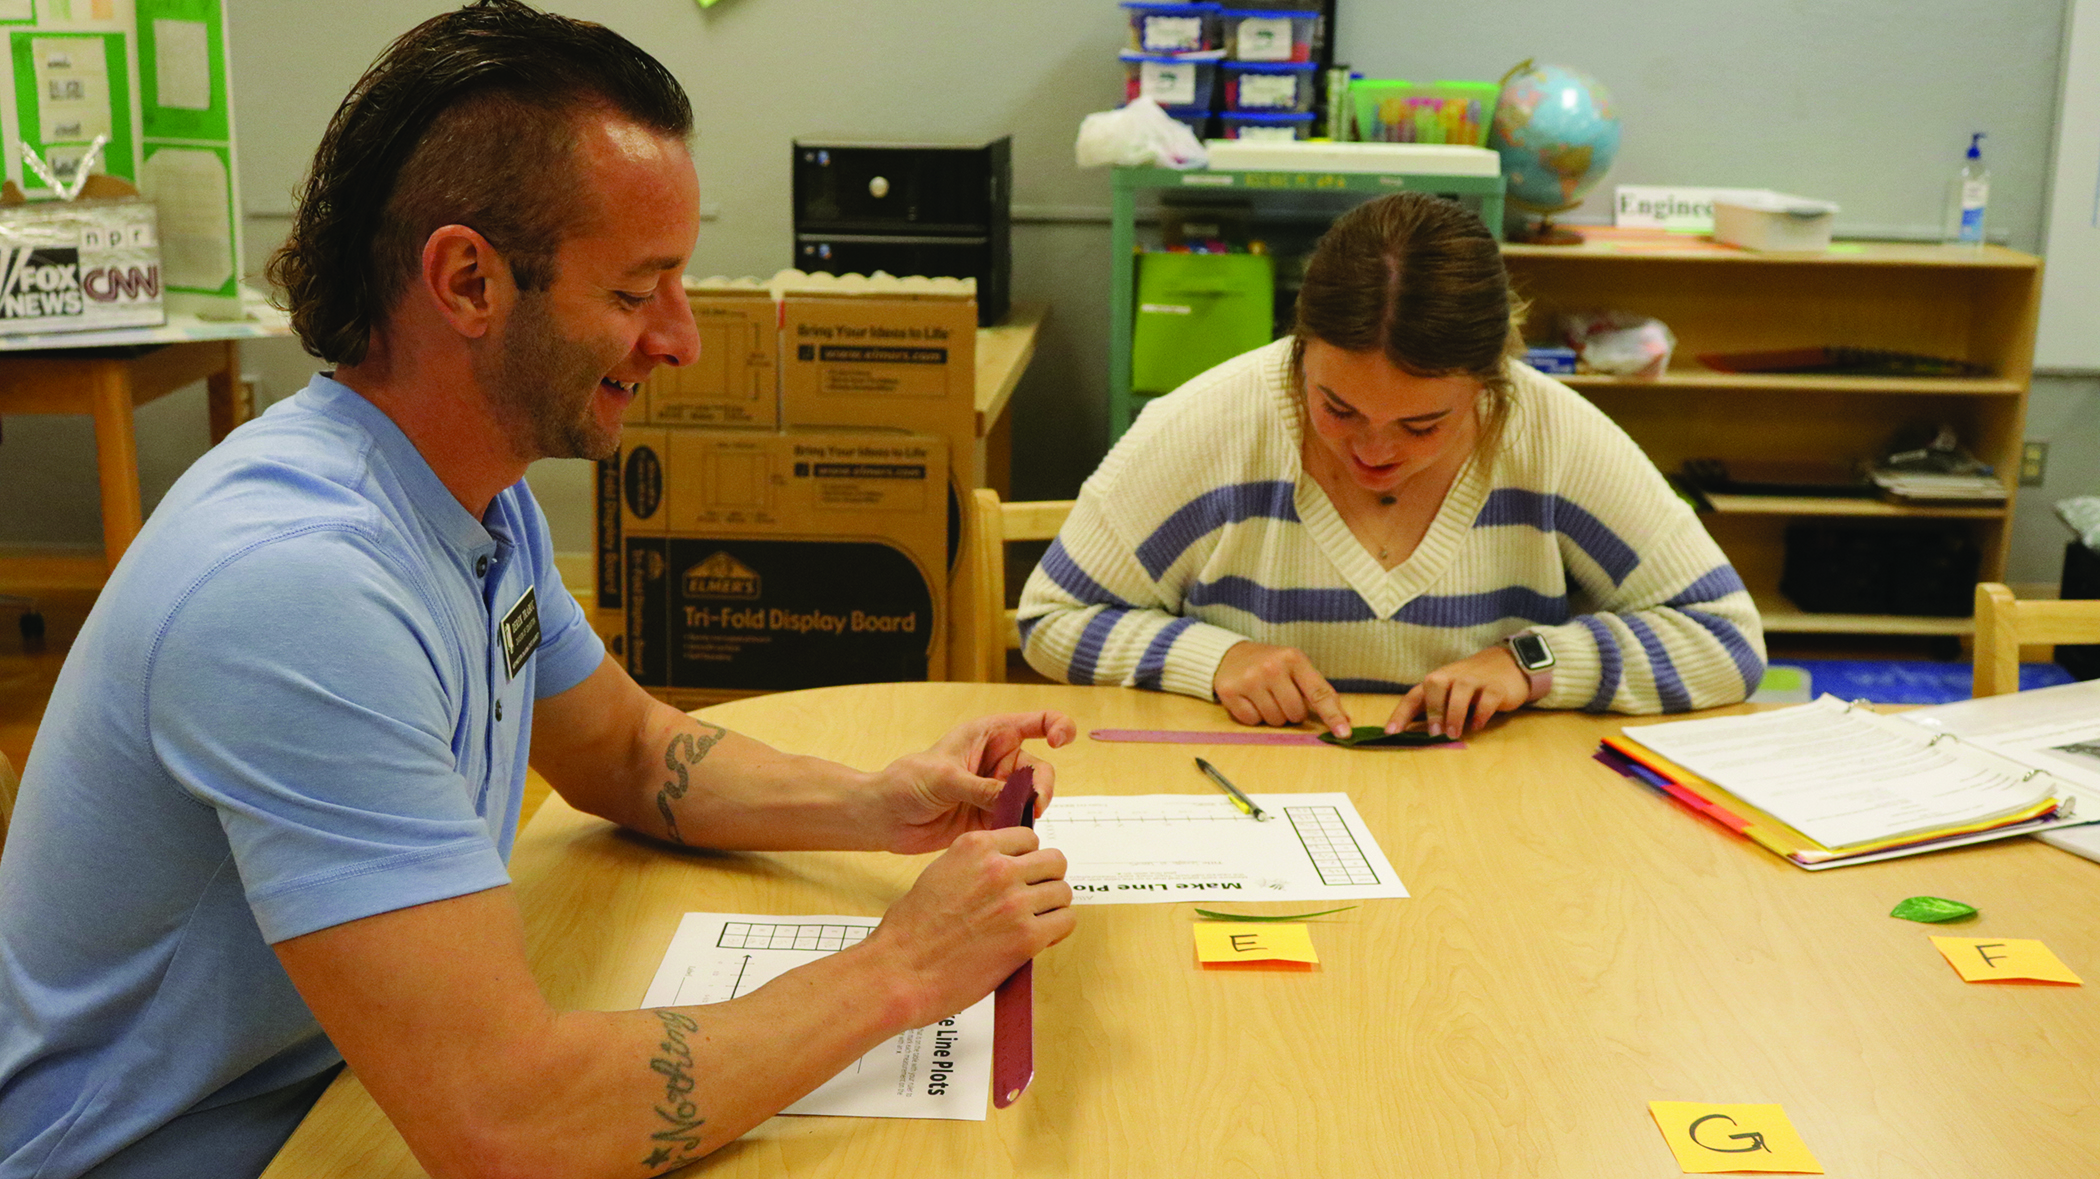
[(303, 698)]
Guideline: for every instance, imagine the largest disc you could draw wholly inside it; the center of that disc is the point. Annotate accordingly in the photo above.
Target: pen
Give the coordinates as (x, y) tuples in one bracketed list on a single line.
[(1239, 800)]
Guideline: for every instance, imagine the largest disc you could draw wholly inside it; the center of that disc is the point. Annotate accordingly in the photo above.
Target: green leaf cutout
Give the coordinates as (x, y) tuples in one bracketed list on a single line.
[(1216, 916), (1932, 909), (1373, 735)]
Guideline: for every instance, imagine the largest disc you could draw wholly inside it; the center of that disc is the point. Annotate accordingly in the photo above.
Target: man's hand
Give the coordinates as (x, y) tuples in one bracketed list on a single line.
[(1264, 685), (1462, 696), (925, 800), (994, 900)]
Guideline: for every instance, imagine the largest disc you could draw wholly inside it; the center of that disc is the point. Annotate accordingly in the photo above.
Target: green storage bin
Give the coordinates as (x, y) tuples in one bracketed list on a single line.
[(1196, 311)]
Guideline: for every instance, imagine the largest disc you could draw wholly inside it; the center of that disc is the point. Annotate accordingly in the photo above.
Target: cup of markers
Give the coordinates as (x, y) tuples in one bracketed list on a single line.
[(1397, 111)]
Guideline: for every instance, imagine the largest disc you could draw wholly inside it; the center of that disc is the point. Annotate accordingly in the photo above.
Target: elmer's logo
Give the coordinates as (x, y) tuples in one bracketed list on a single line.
[(721, 576), (38, 283)]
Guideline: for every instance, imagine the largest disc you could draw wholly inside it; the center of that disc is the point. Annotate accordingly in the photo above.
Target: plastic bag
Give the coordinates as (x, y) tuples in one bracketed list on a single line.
[(1619, 343), (1139, 133)]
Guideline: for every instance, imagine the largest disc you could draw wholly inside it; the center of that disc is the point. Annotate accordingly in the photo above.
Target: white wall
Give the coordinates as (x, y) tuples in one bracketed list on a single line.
[(1865, 102)]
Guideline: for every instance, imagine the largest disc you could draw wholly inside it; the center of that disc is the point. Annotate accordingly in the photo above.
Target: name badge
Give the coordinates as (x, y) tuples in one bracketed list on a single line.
[(521, 632)]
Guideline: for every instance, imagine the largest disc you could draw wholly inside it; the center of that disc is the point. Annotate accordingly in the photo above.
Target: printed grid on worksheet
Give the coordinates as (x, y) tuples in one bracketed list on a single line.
[(1331, 845), (750, 935)]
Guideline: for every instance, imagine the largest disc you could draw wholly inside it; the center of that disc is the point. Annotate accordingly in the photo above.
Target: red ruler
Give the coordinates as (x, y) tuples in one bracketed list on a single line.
[(1013, 1004)]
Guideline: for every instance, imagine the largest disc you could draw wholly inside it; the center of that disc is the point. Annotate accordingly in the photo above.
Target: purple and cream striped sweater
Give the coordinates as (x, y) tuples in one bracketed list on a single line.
[(1202, 529)]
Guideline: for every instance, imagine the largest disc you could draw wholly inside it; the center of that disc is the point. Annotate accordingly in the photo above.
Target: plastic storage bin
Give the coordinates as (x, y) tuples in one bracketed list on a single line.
[(1270, 34), (1390, 110), (1256, 125), (1172, 28), (1196, 311), (1170, 79), (1197, 118), (1268, 85)]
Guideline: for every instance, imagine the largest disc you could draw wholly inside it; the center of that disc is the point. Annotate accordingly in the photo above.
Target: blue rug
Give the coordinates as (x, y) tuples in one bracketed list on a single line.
[(1908, 681)]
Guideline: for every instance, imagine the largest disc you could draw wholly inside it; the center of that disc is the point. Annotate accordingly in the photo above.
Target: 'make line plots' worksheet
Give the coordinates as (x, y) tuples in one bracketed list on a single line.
[(1124, 849), (943, 1070)]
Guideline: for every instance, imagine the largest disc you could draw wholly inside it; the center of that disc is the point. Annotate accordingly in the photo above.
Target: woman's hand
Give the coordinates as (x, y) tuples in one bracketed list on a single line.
[(1476, 687), (1264, 685)]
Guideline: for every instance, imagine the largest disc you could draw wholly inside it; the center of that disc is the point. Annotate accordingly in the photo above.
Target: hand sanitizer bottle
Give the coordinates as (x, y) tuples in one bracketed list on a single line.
[(1968, 196)]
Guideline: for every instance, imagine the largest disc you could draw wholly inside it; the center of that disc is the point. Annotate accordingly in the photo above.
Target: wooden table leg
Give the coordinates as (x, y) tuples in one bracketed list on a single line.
[(116, 457), (229, 403)]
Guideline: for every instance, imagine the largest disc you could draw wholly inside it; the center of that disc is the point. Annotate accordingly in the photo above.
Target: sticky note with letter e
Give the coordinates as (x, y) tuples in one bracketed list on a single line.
[(1708, 1139), (1221, 943), (2002, 959)]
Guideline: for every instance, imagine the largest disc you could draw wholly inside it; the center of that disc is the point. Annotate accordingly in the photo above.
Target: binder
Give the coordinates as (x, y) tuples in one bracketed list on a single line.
[(2049, 807)]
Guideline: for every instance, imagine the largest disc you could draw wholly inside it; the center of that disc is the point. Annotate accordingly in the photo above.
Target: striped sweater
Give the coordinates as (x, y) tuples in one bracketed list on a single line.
[(1202, 528)]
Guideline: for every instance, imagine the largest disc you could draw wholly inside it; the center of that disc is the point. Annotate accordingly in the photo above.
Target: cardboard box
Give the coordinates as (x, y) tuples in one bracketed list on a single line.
[(74, 266), (892, 353), (764, 561), (735, 381)]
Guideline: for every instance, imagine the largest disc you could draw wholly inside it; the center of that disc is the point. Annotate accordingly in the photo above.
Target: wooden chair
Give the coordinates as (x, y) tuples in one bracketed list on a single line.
[(2004, 625), (7, 797), (982, 654)]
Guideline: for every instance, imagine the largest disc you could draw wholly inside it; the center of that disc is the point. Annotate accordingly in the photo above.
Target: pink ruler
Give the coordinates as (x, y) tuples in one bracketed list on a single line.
[(1236, 737), (1013, 1004)]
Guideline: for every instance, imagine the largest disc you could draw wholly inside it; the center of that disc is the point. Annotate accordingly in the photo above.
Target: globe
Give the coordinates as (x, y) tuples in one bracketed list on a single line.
[(1557, 132)]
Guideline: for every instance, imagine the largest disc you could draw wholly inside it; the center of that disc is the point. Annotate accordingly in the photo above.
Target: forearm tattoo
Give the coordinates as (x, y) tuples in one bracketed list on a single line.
[(684, 752), (679, 1143)]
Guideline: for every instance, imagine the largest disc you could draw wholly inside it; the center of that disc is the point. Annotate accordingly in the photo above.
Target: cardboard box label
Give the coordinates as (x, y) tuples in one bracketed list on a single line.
[(743, 612), (79, 266), (734, 381), (754, 560)]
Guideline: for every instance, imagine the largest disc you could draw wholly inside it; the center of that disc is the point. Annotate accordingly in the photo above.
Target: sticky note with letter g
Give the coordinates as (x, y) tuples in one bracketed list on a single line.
[(1712, 1138)]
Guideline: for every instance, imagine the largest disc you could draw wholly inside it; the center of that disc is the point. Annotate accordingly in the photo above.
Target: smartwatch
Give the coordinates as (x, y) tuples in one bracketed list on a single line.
[(1535, 659)]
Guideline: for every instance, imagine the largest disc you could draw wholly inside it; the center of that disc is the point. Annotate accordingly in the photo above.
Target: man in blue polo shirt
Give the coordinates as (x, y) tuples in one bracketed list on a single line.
[(265, 823)]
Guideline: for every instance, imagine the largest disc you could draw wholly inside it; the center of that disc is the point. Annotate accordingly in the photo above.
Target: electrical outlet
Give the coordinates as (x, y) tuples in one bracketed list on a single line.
[(2034, 463)]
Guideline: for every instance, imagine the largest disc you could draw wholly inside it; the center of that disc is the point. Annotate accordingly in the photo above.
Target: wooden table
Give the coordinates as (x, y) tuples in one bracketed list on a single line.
[(107, 374), (1575, 947), (1003, 353)]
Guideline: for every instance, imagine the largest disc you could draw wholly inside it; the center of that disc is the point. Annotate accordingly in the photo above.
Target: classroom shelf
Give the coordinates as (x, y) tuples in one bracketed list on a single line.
[(1683, 377), (1804, 505), (1270, 191), (1783, 617), (1969, 304)]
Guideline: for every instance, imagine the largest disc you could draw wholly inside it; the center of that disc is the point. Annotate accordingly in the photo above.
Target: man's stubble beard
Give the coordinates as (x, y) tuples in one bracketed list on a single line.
[(533, 379)]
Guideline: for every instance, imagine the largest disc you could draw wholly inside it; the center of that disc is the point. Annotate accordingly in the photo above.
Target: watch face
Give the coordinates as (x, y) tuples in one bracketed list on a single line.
[(1531, 652)]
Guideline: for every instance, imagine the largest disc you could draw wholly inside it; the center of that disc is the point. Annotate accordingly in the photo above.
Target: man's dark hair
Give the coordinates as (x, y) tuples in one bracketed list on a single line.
[(469, 119)]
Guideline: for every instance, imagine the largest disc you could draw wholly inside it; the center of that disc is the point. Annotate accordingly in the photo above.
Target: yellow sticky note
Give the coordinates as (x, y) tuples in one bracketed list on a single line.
[(1985, 959), (1711, 1138), (1232, 941)]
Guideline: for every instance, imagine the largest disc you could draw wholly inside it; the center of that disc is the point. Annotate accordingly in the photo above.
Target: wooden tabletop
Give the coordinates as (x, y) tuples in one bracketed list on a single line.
[(1003, 352), (1575, 947)]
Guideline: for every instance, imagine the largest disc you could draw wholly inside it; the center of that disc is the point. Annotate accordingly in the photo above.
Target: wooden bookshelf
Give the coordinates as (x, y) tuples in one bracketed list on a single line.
[(1970, 304)]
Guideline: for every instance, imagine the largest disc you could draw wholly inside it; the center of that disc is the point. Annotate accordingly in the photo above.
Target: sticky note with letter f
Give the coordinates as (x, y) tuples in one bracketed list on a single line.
[(1985, 959), (1221, 942), (1712, 1138)]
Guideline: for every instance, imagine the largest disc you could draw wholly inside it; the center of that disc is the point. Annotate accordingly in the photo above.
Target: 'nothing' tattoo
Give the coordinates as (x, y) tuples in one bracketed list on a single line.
[(684, 751), (679, 1143)]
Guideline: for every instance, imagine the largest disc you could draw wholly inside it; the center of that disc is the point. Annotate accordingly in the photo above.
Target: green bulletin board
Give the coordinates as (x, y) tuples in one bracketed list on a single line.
[(152, 75)]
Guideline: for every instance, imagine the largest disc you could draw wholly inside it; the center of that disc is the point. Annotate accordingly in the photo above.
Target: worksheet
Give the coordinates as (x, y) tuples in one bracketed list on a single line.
[(942, 1071), (1126, 849)]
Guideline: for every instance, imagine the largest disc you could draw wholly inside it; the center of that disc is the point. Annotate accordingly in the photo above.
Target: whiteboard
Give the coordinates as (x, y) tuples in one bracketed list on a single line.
[(2069, 334)]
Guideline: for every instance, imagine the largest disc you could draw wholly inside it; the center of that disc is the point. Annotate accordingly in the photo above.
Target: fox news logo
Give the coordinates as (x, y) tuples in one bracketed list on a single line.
[(37, 283)]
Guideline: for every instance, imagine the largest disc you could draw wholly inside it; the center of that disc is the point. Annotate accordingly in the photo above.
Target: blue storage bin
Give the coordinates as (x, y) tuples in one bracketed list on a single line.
[(1269, 85), (1261, 125), (1172, 28), (1171, 79)]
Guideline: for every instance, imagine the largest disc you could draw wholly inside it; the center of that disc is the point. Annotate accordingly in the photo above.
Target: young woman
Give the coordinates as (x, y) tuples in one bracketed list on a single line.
[(1387, 502)]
